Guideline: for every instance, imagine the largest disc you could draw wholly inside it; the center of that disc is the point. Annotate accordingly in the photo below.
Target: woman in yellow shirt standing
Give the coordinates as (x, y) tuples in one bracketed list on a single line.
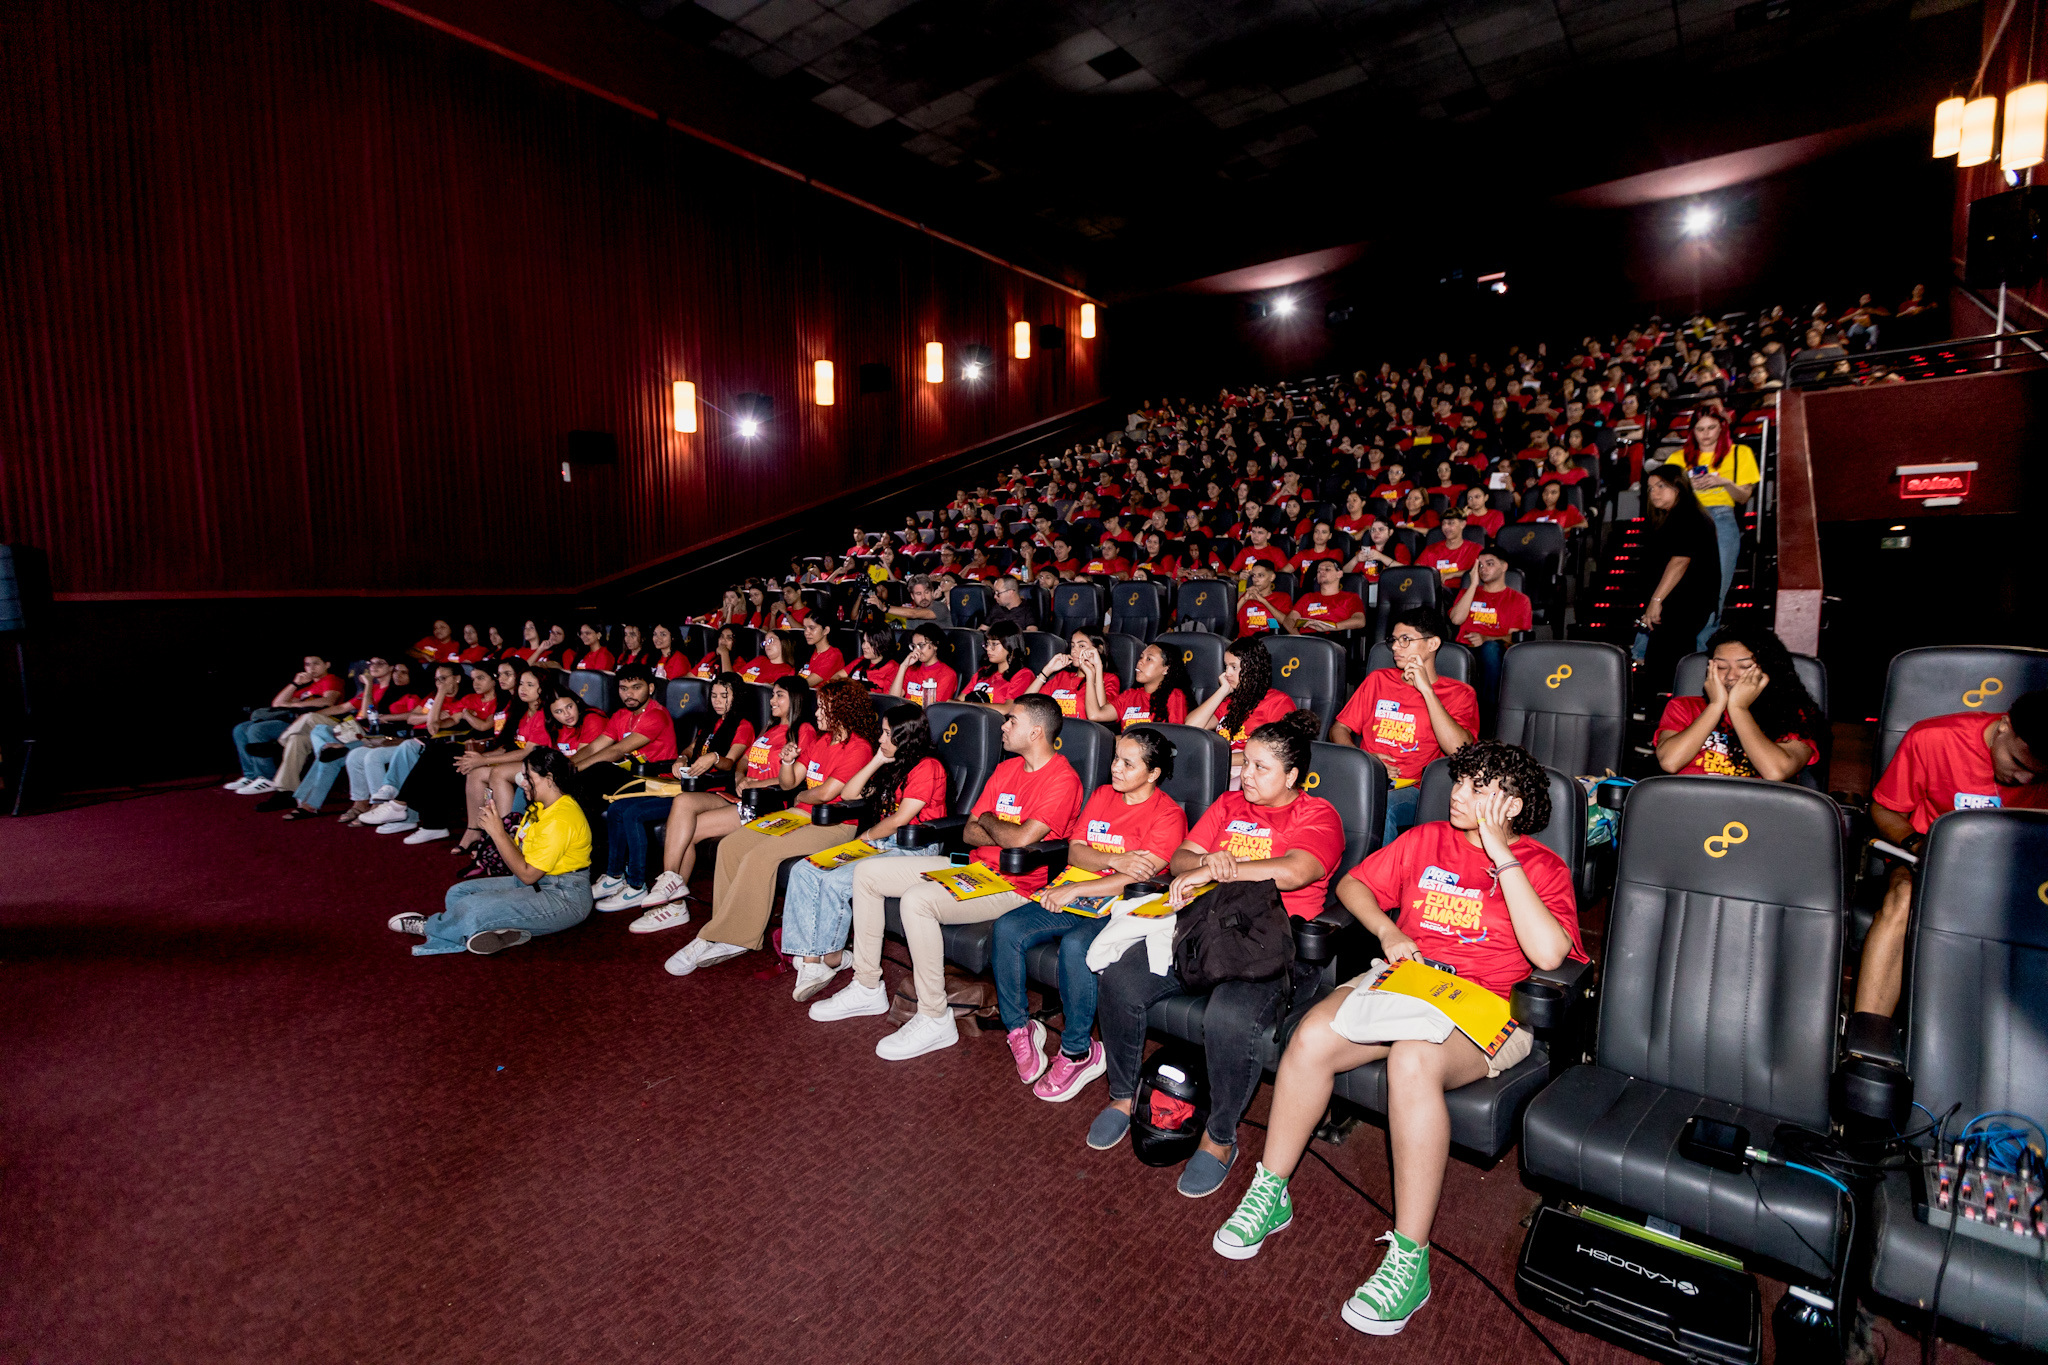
[(548, 856), (1724, 479)]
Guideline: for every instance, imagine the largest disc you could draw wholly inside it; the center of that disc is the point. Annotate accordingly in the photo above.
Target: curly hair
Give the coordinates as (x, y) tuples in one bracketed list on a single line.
[(847, 705), (1254, 680), (1784, 707), (1486, 761), (912, 733)]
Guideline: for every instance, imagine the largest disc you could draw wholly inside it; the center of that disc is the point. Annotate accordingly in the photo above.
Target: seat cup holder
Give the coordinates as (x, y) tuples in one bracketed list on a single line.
[(1538, 1005), (1314, 942)]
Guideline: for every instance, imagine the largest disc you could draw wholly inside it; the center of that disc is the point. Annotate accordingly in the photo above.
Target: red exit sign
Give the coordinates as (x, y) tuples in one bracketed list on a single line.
[(1927, 482)]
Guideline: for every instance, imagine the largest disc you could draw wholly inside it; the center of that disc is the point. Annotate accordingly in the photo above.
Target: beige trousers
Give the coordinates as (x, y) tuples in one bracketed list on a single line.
[(743, 888), (925, 906)]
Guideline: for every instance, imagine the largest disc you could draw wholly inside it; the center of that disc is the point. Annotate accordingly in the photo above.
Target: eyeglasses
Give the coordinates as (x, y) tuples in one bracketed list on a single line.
[(1406, 639)]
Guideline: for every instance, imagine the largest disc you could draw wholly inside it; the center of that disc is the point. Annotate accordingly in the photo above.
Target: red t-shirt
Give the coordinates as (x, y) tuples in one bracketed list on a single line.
[(742, 738), (1304, 563), (1494, 614), (1066, 689), (927, 783), (1566, 516), (761, 671), (790, 618), (928, 684), (533, 730), (881, 675), (1016, 794), (1489, 521), (474, 654), (468, 704), (1134, 707), (826, 663), (1270, 553), (1392, 723), (1250, 833), (676, 665), (1722, 754), (593, 725), (597, 660), (1395, 550), (764, 753), (707, 667), (1441, 892), (320, 687), (1943, 764), (1254, 619), (997, 688), (405, 705), (1328, 607), (1119, 565), (436, 650), (1109, 824), (1271, 707), (1355, 526), (651, 720), (1450, 564), (825, 761)]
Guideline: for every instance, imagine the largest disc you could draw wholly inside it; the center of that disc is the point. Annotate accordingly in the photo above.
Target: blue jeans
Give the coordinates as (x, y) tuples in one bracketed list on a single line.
[(817, 906), (257, 732), (1728, 539), (1488, 655), (403, 760), (557, 901), (1401, 803), (321, 775), (627, 824), (1024, 929)]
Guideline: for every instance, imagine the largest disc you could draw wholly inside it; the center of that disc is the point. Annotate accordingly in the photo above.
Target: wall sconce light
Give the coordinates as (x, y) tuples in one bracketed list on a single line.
[(2026, 127), (821, 383), (686, 406), (1023, 341), (1948, 126), (934, 363), (1980, 120), (1088, 321)]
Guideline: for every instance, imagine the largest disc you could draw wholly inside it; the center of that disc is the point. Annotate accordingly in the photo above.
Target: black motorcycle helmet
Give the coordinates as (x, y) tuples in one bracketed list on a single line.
[(1171, 1106)]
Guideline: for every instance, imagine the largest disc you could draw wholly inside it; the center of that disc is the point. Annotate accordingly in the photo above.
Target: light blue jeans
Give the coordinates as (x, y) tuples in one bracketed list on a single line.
[(817, 906), (320, 776), (257, 732), (556, 902), (385, 767), (1728, 539)]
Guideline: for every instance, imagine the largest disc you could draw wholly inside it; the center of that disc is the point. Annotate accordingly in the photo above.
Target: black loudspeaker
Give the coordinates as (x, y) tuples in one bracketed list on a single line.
[(753, 407), (24, 587), (2006, 245), (1255, 309), (876, 377), (1051, 337), (13, 612), (592, 447)]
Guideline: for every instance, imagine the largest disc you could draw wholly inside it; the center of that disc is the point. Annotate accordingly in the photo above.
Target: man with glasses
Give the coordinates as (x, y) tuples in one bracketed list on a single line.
[(1010, 605), (1407, 716)]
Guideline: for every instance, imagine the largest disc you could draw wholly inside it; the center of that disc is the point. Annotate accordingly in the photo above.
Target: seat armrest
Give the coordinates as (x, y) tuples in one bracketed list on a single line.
[(933, 836), (1050, 854), (1548, 999), (759, 801), (715, 780), (1874, 1037), (841, 812), (1871, 1082), (1316, 940)]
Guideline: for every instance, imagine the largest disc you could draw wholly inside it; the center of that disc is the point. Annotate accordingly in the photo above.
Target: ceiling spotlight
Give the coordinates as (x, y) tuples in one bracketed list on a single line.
[(1698, 221), (1283, 305), (971, 370), (749, 428)]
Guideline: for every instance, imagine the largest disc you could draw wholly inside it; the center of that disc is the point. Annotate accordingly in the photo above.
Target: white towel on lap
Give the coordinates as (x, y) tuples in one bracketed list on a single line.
[(1123, 930)]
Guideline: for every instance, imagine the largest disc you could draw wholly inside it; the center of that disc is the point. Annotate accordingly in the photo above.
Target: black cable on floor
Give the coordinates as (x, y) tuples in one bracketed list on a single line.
[(1470, 1269)]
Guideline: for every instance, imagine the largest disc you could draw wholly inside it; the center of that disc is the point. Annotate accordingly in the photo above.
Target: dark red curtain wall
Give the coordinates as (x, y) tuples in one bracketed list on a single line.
[(305, 298)]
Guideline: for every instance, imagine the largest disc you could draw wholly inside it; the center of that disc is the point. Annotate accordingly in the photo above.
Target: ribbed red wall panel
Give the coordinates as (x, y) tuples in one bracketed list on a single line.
[(305, 297)]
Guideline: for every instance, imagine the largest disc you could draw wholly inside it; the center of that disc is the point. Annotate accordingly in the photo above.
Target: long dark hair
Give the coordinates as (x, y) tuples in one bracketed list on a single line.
[(911, 733), (801, 707), (1785, 707), (1254, 680), (724, 732), (1687, 508), (1011, 636), (555, 728), (1175, 679)]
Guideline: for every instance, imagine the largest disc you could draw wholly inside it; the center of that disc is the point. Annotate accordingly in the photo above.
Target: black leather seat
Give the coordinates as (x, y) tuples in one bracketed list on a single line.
[(1201, 767), (746, 640), (1089, 747), (1690, 679), (1040, 647), (965, 652), (1208, 604), (1453, 661), (1942, 681), (968, 742), (599, 691), (1137, 609), (688, 701), (1123, 651), (1202, 653), (1076, 606), (1310, 669), (1566, 702), (1977, 1034), (967, 604), (1723, 966), (1405, 587)]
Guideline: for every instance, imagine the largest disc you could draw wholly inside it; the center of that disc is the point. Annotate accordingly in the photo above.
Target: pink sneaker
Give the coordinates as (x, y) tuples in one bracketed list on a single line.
[(1027, 1045), (1069, 1077)]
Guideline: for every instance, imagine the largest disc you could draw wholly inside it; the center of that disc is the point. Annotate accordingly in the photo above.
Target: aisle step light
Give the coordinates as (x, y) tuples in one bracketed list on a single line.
[(1088, 321), (821, 383), (934, 363), (1980, 121), (1024, 338), (2026, 127), (686, 406)]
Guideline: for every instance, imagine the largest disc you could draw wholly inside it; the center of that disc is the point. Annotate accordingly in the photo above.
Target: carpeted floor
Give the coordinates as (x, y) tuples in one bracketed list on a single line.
[(242, 1123)]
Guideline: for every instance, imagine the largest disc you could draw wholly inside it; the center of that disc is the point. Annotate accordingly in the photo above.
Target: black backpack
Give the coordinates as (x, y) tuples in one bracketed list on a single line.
[(1237, 932)]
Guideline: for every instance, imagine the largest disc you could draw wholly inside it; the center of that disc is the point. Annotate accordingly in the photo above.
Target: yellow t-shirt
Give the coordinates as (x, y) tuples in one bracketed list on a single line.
[(1738, 466), (555, 838)]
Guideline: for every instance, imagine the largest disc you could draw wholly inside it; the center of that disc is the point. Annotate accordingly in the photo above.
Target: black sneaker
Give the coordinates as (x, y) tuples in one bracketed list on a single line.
[(496, 940), (277, 801)]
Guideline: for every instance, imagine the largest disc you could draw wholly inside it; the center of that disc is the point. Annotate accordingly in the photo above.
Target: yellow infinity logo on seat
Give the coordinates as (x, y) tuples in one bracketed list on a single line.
[(1976, 696), (1406, 584), (2042, 892), (1133, 602), (1314, 779), (1734, 832), (1201, 599), (1187, 656), (1056, 743), (1287, 669), (1556, 680), (951, 730)]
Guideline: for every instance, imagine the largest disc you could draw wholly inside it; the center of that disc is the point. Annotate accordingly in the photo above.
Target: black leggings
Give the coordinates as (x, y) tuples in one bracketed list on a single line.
[(1238, 1013), (1676, 636)]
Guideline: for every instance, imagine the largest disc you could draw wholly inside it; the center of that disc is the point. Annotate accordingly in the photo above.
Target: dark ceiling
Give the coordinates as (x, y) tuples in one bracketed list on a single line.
[(1291, 125)]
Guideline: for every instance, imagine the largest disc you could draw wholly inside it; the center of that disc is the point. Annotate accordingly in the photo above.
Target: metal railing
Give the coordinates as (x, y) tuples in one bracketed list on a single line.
[(1938, 360)]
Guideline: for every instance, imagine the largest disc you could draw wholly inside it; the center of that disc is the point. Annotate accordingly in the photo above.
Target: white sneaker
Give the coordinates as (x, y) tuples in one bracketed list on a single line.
[(812, 977), (387, 792), (921, 1035), (607, 885), (425, 836), (237, 784), (699, 952), (388, 813), (669, 886), (408, 923), (256, 786), (674, 915), (621, 897), (850, 1003), (406, 826)]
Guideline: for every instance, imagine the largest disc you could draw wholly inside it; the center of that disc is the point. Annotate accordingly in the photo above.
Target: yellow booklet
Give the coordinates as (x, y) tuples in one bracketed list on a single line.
[(1092, 907), (970, 882), (851, 851), (1158, 907), (781, 821), (1477, 1012)]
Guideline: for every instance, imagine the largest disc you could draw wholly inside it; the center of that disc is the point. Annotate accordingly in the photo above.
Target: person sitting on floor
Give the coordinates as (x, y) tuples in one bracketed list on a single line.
[(548, 889), (1474, 892)]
